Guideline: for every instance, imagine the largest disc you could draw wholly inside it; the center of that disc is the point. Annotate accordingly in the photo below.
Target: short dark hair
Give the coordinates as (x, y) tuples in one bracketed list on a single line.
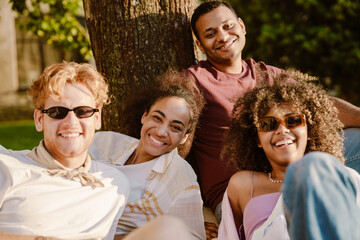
[(206, 7)]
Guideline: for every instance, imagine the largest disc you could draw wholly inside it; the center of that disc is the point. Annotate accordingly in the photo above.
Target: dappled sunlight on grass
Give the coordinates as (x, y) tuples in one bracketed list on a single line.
[(19, 135)]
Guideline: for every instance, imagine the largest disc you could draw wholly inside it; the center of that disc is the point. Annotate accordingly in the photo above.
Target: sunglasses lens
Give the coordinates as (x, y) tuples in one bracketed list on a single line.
[(268, 124), (57, 112), (271, 123), (293, 121), (62, 112), (84, 112)]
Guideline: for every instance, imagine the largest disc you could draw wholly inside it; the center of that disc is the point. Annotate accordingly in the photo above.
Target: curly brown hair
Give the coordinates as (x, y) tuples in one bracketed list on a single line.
[(323, 125)]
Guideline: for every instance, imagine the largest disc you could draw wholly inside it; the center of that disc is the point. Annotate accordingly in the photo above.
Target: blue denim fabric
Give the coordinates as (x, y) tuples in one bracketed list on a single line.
[(320, 199), (352, 148)]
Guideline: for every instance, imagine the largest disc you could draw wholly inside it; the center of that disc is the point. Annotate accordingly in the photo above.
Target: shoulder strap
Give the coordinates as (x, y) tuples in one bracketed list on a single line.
[(252, 183)]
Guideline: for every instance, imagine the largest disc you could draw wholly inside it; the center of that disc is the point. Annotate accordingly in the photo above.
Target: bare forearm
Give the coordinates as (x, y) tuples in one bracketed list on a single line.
[(10, 236), (6, 236), (349, 114), (120, 237)]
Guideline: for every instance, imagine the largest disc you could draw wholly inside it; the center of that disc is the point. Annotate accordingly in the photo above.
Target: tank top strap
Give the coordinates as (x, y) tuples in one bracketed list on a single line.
[(252, 183)]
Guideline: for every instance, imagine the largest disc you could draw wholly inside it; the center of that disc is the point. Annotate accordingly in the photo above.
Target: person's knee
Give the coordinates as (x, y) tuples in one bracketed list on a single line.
[(311, 169), (172, 228), (162, 228), (351, 137), (322, 163), (172, 223), (314, 162), (315, 171), (352, 148)]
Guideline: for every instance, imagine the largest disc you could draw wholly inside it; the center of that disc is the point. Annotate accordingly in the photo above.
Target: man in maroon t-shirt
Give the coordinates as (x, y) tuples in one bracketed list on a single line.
[(222, 78)]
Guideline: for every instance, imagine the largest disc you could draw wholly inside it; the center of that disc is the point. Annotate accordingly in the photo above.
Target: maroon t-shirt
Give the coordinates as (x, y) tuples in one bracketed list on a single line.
[(221, 90)]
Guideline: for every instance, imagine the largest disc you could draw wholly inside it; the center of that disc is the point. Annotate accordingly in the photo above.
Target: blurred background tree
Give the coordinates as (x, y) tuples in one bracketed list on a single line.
[(60, 23), (319, 37), (134, 42), (34, 34)]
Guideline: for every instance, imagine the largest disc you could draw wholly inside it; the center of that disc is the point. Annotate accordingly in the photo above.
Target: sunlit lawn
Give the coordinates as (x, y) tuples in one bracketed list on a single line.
[(19, 135)]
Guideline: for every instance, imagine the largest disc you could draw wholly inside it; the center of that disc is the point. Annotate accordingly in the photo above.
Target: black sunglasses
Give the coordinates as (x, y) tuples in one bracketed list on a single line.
[(62, 112), (268, 124)]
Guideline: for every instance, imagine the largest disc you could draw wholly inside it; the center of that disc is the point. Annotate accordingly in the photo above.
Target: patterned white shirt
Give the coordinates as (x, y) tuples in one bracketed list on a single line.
[(171, 187)]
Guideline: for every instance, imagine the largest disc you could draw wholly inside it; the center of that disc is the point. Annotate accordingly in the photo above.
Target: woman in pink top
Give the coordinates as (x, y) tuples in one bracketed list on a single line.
[(276, 126)]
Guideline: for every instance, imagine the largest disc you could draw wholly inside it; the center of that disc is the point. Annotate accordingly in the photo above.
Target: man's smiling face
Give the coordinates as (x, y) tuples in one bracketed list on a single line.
[(68, 138), (221, 36)]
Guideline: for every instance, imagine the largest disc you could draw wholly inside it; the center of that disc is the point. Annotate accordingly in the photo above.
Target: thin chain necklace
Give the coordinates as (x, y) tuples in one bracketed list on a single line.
[(274, 181)]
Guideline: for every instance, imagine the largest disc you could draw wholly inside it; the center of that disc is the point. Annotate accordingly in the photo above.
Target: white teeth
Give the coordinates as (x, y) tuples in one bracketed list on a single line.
[(69, 135), (156, 141), (227, 45), (288, 141)]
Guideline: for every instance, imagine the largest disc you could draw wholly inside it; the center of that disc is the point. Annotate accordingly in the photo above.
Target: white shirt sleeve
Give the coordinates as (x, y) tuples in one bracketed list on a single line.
[(112, 231), (5, 179), (188, 207)]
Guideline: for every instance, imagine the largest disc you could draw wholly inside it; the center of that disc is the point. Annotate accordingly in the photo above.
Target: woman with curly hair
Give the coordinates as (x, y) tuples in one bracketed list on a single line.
[(273, 127), (161, 182)]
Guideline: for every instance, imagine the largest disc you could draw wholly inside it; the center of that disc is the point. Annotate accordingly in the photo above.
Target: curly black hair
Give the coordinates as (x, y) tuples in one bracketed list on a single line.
[(170, 84), (324, 127)]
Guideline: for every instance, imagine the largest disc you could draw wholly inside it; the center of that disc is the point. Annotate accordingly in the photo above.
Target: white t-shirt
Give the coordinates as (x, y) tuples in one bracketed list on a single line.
[(171, 187), (34, 203), (137, 175)]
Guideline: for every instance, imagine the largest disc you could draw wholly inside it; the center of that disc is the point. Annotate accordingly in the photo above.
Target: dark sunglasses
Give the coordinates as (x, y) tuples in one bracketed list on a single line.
[(62, 112), (268, 124)]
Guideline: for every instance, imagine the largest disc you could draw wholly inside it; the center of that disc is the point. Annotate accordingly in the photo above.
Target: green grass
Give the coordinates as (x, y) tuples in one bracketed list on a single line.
[(19, 135)]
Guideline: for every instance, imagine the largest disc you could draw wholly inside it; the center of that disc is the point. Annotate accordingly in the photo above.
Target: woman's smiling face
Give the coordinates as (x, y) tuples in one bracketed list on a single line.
[(164, 127), (283, 146)]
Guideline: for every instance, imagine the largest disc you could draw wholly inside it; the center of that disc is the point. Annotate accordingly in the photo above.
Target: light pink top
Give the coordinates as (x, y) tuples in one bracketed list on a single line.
[(257, 211)]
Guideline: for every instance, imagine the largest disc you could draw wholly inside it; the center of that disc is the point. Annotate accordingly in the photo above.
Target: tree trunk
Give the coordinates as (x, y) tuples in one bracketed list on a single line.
[(134, 41)]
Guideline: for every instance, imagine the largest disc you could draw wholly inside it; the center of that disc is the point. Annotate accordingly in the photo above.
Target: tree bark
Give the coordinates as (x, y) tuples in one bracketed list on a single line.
[(134, 41)]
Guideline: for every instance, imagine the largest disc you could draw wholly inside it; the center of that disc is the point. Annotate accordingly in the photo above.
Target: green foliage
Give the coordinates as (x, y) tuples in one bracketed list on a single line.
[(19, 135), (58, 22), (320, 37)]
